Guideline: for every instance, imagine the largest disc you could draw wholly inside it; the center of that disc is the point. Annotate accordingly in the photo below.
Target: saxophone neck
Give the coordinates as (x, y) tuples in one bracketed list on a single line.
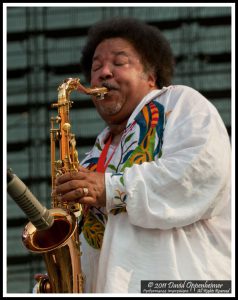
[(71, 84)]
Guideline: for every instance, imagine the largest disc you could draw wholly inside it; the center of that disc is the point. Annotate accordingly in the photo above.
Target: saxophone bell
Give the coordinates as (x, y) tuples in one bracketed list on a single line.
[(59, 246)]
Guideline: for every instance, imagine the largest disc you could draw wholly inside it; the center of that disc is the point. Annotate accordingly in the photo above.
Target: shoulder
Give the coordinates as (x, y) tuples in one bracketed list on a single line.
[(184, 90), (183, 102), (182, 95)]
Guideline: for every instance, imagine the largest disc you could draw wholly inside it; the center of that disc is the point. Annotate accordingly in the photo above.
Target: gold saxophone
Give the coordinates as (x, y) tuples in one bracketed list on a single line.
[(59, 244)]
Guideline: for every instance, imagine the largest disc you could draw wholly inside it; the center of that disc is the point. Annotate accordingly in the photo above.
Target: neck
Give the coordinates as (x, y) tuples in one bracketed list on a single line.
[(117, 131)]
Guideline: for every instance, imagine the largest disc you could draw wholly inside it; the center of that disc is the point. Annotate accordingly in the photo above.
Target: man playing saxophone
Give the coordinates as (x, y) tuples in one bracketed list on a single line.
[(155, 187)]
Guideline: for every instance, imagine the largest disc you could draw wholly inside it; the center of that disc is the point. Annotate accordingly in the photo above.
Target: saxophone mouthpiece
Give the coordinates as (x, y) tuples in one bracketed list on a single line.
[(99, 93), (100, 96)]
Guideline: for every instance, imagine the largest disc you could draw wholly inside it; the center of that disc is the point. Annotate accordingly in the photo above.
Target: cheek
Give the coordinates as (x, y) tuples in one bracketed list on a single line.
[(130, 78), (94, 78)]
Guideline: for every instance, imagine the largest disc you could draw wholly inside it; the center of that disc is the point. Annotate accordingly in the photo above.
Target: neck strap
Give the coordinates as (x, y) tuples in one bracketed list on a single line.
[(102, 163)]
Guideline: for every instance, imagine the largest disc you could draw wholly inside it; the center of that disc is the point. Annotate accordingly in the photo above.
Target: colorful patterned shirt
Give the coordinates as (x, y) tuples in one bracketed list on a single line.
[(168, 196)]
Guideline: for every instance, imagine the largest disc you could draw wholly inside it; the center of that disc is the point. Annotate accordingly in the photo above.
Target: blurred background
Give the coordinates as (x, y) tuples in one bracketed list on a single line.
[(44, 47)]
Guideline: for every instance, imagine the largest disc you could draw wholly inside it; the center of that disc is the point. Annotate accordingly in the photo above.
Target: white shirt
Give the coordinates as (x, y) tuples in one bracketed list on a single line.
[(178, 220)]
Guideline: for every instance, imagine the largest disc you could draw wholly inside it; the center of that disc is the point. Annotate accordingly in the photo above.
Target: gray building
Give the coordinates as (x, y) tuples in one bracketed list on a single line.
[(44, 47)]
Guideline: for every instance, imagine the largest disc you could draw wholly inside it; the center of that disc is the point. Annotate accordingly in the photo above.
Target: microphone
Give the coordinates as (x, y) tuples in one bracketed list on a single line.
[(38, 214)]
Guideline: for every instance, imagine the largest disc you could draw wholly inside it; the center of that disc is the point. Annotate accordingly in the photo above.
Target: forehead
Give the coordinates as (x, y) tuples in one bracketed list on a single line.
[(114, 46)]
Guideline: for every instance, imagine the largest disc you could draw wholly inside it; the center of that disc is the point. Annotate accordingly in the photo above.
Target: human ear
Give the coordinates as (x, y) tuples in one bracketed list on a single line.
[(151, 78)]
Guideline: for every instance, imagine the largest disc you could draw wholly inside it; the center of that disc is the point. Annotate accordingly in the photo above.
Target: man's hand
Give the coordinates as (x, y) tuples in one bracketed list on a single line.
[(84, 186)]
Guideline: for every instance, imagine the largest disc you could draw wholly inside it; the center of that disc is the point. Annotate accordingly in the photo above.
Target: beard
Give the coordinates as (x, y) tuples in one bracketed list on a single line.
[(111, 105), (109, 109)]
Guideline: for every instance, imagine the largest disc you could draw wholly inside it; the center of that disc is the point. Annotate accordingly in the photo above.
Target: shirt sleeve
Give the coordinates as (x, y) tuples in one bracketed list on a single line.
[(190, 181), (116, 192)]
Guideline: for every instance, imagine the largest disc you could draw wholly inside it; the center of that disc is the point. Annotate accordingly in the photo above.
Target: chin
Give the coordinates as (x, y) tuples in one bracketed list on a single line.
[(109, 109)]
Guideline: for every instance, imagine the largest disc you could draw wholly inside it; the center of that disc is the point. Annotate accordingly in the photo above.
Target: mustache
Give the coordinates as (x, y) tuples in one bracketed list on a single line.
[(110, 86)]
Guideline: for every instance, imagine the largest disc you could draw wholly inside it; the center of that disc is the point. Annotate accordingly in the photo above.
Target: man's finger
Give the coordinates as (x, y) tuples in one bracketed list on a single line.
[(69, 176)]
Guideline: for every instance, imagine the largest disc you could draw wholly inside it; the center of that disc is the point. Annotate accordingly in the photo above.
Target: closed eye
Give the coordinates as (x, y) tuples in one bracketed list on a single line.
[(96, 66), (119, 63), (121, 60)]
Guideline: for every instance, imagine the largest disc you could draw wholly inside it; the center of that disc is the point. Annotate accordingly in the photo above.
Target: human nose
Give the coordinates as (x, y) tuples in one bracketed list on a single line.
[(106, 72)]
